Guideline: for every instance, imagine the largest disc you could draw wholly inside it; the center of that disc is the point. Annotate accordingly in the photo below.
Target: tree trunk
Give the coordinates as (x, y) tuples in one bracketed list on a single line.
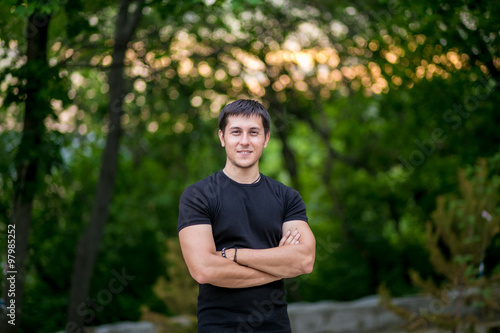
[(88, 246), (27, 167)]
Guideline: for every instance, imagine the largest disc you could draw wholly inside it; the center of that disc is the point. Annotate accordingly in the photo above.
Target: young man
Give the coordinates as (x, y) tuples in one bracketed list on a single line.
[(242, 233)]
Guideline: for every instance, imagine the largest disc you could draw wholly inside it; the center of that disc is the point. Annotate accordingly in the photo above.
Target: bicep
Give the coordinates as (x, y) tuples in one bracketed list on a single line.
[(196, 243), (306, 235)]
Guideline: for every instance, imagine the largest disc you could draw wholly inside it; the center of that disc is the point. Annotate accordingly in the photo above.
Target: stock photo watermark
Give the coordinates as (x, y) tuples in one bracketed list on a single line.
[(104, 297), (418, 320), (10, 276), (455, 118), (265, 308)]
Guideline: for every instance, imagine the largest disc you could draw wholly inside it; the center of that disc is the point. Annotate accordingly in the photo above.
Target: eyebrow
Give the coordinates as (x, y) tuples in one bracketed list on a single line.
[(239, 128)]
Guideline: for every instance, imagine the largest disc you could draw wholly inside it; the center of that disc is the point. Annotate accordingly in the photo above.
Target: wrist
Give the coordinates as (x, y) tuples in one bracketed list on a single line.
[(232, 253), (228, 253), (237, 256)]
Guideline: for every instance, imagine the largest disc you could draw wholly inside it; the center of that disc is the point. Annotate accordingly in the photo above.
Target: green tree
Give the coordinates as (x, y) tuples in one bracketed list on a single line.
[(179, 292), (34, 81), (126, 23), (458, 237)]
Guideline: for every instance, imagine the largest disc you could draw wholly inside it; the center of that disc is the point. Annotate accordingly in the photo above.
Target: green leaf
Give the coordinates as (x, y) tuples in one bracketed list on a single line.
[(20, 11)]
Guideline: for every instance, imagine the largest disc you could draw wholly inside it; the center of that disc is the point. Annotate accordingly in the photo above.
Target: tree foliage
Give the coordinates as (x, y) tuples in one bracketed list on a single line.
[(462, 229), (179, 294)]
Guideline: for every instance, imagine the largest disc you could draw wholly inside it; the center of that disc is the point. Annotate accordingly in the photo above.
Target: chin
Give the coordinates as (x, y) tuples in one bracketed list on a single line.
[(247, 165)]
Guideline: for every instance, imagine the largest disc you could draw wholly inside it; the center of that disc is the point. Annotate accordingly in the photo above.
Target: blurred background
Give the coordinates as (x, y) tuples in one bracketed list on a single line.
[(385, 119)]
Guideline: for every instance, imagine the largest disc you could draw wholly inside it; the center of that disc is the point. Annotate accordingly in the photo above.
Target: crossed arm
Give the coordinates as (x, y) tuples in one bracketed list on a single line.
[(294, 256)]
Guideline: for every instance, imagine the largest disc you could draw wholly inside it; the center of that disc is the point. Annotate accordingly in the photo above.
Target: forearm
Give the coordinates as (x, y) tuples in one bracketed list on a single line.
[(222, 272), (283, 261), (207, 266)]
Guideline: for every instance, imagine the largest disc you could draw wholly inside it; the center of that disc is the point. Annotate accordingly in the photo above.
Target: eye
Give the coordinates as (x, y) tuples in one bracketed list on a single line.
[(254, 133)]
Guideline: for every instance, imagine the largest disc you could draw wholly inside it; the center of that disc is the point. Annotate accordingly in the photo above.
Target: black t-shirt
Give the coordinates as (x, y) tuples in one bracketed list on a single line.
[(243, 216)]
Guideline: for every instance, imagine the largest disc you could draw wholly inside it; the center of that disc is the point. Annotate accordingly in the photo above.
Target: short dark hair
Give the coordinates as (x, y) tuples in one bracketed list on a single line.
[(247, 108)]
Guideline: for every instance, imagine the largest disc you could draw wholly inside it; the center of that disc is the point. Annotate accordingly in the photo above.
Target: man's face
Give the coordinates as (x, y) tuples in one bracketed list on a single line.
[(244, 140)]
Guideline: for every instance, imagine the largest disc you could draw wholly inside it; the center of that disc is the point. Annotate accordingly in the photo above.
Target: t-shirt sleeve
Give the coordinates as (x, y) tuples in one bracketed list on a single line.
[(295, 207), (193, 208)]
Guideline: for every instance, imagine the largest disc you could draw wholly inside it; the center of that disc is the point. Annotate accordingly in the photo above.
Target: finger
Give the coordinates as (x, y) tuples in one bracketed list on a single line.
[(296, 239), (284, 239), (291, 237)]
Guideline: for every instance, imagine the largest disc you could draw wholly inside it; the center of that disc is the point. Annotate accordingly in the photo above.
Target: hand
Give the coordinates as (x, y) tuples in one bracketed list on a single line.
[(290, 238), (229, 253)]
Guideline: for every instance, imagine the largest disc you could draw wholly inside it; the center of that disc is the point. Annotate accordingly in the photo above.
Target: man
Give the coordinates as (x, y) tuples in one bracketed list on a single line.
[(242, 233)]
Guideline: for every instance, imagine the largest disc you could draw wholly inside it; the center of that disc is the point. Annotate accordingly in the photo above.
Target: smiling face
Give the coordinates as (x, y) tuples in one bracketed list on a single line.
[(244, 140)]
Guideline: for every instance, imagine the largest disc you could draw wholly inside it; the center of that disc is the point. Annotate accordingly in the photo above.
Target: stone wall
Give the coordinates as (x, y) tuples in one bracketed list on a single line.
[(366, 315)]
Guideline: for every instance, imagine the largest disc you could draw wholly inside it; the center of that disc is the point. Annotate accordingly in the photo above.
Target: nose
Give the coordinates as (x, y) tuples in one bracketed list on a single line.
[(244, 138)]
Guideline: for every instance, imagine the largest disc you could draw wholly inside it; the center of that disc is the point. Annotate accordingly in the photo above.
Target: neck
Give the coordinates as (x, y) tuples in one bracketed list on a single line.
[(242, 176)]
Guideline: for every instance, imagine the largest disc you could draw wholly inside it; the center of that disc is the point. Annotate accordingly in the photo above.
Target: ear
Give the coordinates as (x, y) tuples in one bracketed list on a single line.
[(221, 138), (268, 136)]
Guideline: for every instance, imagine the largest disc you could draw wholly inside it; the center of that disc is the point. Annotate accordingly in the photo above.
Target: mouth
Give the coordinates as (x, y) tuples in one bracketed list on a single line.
[(244, 152)]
